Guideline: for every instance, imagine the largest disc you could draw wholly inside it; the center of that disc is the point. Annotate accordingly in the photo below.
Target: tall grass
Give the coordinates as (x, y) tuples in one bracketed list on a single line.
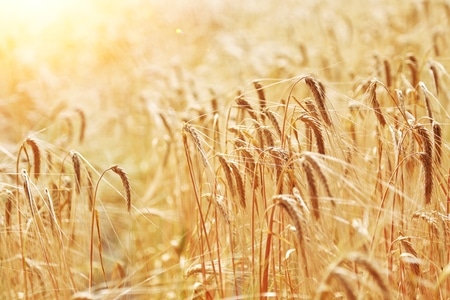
[(213, 151)]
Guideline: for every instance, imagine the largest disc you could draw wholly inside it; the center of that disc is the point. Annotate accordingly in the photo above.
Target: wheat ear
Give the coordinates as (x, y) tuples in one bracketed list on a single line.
[(261, 96), (317, 129), (413, 65), (301, 202), (242, 103), (437, 138), (387, 71), (316, 167), (312, 189), (427, 161), (77, 168), (373, 271), (227, 171), (435, 74), (218, 200), (271, 116), (197, 142), (292, 209), (36, 156), (407, 245), (82, 116), (427, 99), (125, 182), (374, 102), (239, 183), (342, 275), (318, 92), (95, 219), (8, 209)]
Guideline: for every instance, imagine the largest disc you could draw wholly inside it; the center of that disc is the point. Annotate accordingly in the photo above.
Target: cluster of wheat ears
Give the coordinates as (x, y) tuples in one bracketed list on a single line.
[(279, 194), (312, 186)]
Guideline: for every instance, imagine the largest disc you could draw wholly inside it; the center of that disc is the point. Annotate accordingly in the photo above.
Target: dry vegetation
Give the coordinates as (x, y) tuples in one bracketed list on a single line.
[(212, 150)]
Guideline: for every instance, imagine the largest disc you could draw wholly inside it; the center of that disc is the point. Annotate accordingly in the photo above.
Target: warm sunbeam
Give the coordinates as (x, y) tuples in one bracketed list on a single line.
[(37, 13)]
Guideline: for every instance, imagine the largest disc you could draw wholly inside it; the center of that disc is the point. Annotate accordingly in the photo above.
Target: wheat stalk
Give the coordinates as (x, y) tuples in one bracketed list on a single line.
[(28, 195)]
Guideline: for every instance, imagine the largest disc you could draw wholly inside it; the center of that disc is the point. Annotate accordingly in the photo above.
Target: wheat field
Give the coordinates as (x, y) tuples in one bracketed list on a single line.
[(225, 150)]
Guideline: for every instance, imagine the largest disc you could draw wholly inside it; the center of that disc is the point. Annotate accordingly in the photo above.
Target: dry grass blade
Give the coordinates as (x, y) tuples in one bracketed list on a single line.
[(318, 91), (125, 182), (374, 102)]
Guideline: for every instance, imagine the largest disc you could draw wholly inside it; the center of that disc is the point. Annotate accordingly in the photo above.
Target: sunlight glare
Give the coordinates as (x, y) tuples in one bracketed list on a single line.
[(36, 13)]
